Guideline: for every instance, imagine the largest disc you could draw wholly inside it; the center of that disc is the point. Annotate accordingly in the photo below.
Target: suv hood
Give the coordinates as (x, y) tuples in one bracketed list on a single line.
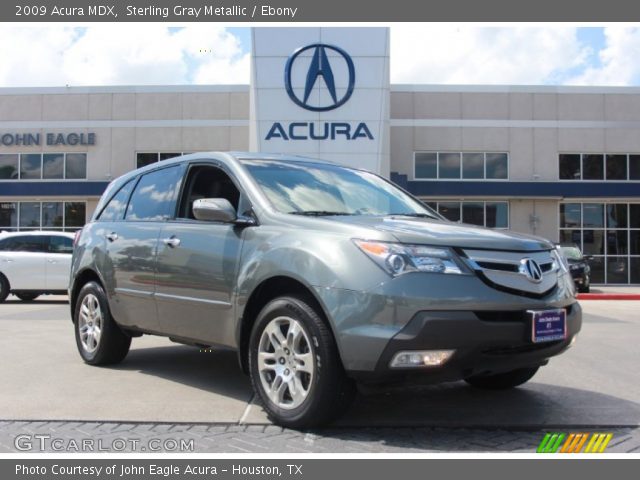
[(444, 233)]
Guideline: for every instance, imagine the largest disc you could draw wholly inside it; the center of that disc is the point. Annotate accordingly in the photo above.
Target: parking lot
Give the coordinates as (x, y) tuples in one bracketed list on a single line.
[(593, 386)]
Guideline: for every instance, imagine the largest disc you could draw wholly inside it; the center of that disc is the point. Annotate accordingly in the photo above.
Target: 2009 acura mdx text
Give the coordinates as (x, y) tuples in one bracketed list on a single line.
[(320, 276)]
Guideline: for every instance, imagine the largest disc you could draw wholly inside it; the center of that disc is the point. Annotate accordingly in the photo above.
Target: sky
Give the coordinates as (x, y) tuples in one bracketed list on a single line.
[(155, 54)]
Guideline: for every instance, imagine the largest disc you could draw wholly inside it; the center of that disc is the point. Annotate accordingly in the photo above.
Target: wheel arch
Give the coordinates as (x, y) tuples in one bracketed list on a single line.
[(81, 279), (262, 294)]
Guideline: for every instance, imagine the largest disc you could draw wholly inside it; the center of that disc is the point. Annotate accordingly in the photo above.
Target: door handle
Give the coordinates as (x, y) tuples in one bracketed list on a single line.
[(172, 242), (51, 261), (112, 237)]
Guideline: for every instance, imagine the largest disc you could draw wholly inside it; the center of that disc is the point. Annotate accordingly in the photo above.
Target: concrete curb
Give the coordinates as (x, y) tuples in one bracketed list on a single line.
[(609, 296)]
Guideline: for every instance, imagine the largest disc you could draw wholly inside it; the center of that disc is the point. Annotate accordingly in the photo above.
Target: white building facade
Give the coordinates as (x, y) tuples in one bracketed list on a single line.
[(560, 162)]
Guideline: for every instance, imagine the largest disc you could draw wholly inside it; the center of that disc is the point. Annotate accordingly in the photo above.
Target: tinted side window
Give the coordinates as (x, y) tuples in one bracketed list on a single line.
[(154, 198), (116, 206), (26, 243), (60, 244)]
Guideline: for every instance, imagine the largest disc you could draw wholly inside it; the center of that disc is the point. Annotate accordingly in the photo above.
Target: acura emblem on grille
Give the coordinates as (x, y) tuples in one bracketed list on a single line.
[(530, 269)]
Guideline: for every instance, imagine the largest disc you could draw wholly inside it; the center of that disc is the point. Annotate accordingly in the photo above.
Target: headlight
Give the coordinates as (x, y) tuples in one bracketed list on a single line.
[(398, 258)]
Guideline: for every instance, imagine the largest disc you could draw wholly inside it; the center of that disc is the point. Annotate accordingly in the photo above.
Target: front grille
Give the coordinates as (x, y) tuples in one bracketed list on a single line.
[(508, 315)]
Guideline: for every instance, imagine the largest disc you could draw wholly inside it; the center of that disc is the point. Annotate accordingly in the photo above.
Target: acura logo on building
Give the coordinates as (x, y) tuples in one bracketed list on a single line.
[(320, 66), (530, 269)]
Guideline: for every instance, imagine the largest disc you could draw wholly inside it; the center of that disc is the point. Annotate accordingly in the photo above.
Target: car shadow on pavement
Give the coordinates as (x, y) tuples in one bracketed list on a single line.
[(37, 301), (532, 406), (215, 371)]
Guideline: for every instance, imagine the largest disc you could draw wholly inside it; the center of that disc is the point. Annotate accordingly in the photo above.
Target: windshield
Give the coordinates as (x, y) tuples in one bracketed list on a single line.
[(324, 189), (572, 253)]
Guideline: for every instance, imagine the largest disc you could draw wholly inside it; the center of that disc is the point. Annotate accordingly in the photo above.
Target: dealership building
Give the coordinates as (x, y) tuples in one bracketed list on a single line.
[(559, 162)]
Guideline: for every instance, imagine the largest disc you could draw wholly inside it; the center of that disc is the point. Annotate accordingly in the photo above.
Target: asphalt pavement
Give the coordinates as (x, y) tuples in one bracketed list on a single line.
[(161, 386)]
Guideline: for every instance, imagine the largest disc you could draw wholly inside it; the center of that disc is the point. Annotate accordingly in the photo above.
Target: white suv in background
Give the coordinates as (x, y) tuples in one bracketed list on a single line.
[(34, 263)]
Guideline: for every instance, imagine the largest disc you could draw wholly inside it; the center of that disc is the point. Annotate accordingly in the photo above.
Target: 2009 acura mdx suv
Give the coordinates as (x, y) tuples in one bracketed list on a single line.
[(319, 276)]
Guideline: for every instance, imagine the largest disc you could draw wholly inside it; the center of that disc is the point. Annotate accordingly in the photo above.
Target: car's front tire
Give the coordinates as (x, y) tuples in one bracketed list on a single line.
[(99, 339), (502, 381), (295, 367)]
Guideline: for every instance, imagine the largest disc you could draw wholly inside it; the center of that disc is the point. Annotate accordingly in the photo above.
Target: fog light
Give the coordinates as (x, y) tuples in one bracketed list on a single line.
[(425, 358)]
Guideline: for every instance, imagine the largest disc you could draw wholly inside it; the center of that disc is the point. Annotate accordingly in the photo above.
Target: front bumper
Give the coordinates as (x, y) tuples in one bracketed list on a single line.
[(485, 342)]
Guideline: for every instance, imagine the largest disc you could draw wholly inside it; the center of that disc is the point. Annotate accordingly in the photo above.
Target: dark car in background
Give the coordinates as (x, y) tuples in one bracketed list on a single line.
[(578, 266)]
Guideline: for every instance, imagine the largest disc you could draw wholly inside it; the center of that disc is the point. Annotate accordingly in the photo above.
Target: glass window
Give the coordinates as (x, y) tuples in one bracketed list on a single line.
[(30, 166), (52, 214), (617, 242), (448, 165), (144, 159), (617, 215), (617, 269), (8, 215), (634, 215), (426, 165), (473, 213), (450, 210), (154, 198), (634, 167), (76, 165), (9, 166), (616, 167), (593, 215), (26, 243), (75, 214), (569, 166), (29, 214), (570, 215), (53, 165), (60, 244), (571, 236), (168, 155), (497, 166), (597, 269), (635, 269), (634, 242), (497, 214), (593, 167), (117, 205), (593, 242), (472, 165)]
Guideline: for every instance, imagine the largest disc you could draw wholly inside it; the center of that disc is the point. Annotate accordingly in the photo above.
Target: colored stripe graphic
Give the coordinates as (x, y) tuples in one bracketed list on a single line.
[(598, 442), (550, 443)]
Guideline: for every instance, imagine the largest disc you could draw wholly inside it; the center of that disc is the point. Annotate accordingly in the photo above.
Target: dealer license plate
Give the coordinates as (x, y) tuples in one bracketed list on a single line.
[(548, 325)]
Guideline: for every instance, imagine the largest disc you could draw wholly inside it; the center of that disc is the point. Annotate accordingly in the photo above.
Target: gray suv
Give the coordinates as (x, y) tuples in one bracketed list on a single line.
[(320, 276)]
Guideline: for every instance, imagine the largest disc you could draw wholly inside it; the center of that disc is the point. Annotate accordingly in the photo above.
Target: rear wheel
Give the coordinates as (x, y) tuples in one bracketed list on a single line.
[(27, 296), (295, 366), (502, 381), (4, 288), (99, 339)]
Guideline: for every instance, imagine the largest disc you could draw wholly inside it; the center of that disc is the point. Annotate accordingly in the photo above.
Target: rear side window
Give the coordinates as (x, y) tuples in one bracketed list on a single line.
[(154, 198), (117, 205), (60, 244), (26, 243)]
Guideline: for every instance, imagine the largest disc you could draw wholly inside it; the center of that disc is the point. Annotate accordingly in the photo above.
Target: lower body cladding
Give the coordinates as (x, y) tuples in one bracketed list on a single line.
[(490, 334)]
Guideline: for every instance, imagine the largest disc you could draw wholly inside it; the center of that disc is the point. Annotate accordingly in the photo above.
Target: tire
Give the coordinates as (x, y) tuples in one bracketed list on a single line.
[(4, 288), (311, 365), (502, 381), (27, 296), (586, 289), (107, 345)]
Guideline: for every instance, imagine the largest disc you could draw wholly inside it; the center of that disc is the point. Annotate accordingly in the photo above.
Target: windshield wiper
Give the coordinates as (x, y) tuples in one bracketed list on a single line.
[(412, 214), (319, 213)]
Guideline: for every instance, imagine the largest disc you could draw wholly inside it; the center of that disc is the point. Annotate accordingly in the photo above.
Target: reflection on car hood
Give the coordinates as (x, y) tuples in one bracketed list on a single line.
[(438, 232)]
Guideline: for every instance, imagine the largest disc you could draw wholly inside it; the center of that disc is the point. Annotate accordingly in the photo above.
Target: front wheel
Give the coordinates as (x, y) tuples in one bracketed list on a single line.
[(295, 366), (4, 288), (502, 381), (99, 339)]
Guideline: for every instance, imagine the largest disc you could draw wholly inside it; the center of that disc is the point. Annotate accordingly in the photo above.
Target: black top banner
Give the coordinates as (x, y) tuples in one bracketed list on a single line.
[(319, 11)]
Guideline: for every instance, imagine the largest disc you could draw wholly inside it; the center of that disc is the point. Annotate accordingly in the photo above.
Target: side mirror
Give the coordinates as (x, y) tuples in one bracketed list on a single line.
[(214, 210)]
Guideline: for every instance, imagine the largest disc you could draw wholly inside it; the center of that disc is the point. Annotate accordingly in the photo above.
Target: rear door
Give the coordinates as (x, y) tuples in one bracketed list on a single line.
[(58, 262), (132, 244), (22, 261)]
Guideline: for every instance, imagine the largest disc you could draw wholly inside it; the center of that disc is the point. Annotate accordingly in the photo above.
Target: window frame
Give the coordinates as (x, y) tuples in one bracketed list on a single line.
[(604, 178), (483, 201), (461, 154)]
